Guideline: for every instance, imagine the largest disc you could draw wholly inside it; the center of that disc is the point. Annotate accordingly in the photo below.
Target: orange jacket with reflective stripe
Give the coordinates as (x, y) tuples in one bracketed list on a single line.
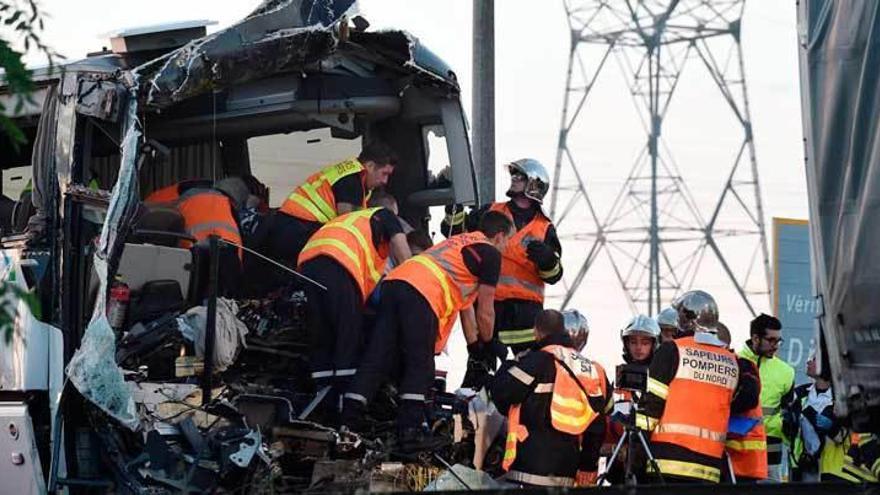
[(442, 277), (206, 212), (748, 453), (570, 409), (348, 240), (314, 200), (519, 276), (170, 194), (698, 403)]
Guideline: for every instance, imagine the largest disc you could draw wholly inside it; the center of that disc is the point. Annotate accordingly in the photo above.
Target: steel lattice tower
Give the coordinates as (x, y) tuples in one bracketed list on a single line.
[(655, 233)]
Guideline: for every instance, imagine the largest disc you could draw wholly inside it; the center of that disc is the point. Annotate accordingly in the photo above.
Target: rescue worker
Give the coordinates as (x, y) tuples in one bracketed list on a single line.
[(555, 400), (210, 211), (531, 259), (695, 309), (639, 338), (668, 322), (777, 385), (746, 444), (693, 388), (347, 256), (577, 326), (865, 453), (171, 193), (823, 449), (337, 189), (420, 300)]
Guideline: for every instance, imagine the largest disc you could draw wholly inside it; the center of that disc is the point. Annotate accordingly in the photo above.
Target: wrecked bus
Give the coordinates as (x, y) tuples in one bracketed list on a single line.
[(293, 86)]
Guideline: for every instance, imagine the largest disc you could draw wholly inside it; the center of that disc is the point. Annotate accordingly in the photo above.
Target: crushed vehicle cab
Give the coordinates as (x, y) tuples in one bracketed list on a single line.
[(283, 92)]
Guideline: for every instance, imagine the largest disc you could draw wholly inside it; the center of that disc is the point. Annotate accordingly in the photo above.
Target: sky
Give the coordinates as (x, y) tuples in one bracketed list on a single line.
[(531, 59)]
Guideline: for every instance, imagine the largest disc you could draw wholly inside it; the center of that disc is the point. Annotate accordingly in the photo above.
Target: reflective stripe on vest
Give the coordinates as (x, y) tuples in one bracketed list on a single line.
[(314, 200), (515, 433), (698, 402), (519, 277), (206, 212), (570, 409), (348, 239), (513, 337), (443, 279), (688, 470), (539, 480)]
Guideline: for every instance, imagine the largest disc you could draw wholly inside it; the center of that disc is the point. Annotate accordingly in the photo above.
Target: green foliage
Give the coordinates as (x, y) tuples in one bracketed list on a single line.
[(22, 22), (11, 295)]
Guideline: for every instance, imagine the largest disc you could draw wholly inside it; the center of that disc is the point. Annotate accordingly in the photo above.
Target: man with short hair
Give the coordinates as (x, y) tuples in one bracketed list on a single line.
[(555, 400), (420, 300), (337, 189), (777, 385)]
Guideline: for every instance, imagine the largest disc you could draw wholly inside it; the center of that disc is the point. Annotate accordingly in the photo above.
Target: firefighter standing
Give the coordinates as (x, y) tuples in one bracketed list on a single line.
[(555, 400), (823, 449), (531, 259), (668, 321), (420, 300), (746, 444), (335, 190), (640, 338), (347, 255), (692, 391), (777, 384)]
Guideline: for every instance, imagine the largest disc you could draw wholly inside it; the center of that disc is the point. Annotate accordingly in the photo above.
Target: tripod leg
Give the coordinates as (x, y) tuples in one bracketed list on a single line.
[(730, 469), (650, 456), (611, 460)]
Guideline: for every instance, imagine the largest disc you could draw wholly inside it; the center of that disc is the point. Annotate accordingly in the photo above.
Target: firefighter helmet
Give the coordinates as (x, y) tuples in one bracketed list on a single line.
[(537, 180), (668, 317), (696, 311), (642, 325), (577, 327)]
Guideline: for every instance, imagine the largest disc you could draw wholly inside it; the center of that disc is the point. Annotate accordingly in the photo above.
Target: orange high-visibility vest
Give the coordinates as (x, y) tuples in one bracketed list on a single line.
[(442, 277), (206, 212), (520, 278), (314, 200), (748, 453), (698, 401), (570, 409), (170, 194), (348, 240)]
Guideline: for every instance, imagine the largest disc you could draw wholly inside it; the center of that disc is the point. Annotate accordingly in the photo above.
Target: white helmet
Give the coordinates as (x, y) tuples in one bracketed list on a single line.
[(642, 325), (577, 327), (668, 317), (537, 179)]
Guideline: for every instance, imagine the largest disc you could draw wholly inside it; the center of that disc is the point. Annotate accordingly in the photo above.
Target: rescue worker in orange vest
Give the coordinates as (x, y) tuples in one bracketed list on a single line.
[(420, 300), (210, 211), (639, 338), (555, 400), (531, 259), (337, 189), (746, 444), (693, 388), (170, 194), (347, 256)]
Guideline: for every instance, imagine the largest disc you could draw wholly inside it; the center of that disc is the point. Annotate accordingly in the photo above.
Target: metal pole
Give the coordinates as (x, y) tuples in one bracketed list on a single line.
[(211, 320), (483, 100)]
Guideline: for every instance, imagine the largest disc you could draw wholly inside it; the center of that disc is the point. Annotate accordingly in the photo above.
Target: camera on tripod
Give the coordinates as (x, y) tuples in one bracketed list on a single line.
[(632, 377)]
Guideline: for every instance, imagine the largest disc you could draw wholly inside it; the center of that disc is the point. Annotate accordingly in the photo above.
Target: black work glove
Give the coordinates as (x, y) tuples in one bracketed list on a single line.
[(541, 255), (477, 373)]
